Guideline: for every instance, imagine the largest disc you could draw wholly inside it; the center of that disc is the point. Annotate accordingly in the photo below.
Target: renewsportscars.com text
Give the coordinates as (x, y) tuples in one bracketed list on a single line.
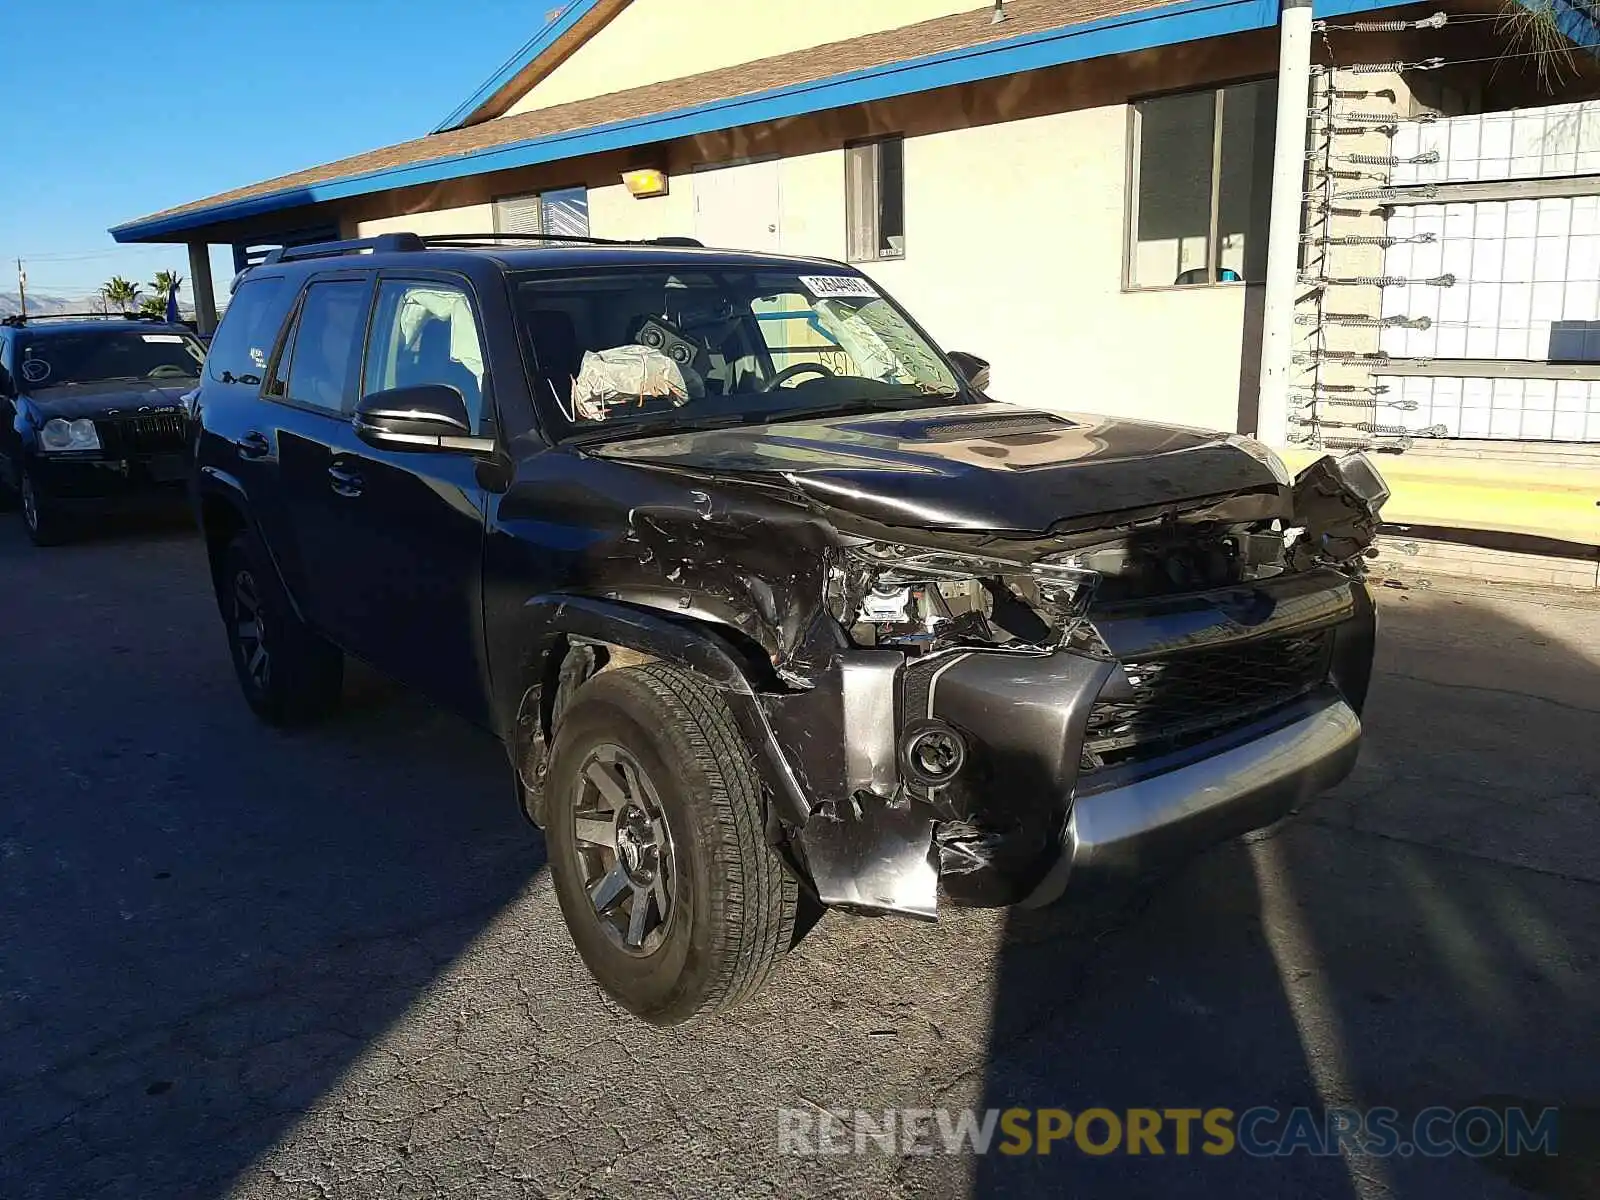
[(1259, 1132)]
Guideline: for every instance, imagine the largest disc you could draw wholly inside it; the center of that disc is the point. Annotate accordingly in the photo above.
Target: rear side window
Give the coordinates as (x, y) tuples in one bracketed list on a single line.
[(327, 344), (243, 343)]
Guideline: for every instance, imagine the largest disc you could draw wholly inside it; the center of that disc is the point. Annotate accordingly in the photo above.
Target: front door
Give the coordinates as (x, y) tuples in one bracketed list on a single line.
[(409, 581)]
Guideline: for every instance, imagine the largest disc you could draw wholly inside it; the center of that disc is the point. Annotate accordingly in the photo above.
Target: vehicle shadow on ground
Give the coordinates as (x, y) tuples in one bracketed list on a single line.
[(252, 910), (1425, 935)]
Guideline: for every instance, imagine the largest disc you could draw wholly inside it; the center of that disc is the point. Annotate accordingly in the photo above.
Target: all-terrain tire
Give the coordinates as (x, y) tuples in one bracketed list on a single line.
[(304, 673), (732, 903)]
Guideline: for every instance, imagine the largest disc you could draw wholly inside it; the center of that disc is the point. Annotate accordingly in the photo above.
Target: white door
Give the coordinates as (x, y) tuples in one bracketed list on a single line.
[(737, 207)]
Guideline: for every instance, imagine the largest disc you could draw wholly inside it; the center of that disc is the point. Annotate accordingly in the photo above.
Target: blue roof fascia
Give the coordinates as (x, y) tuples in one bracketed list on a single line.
[(1185, 21), (569, 16)]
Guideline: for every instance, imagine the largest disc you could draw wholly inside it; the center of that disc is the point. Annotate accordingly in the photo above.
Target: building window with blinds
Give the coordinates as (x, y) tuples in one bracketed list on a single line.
[(560, 213), (1201, 183), (875, 203)]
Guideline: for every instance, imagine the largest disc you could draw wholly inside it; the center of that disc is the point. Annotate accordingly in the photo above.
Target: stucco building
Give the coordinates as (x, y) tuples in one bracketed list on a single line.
[(1177, 210)]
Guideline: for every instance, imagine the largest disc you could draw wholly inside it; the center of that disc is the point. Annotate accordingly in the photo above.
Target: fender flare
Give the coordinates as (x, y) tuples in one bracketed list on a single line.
[(691, 645), (213, 483)]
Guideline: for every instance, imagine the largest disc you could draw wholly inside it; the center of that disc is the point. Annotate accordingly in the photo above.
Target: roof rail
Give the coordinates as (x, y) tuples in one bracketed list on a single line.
[(383, 242), (477, 240), (17, 319)]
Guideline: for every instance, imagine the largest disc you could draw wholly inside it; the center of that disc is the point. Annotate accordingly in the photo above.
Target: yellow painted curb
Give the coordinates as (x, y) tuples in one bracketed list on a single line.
[(1473, 493)]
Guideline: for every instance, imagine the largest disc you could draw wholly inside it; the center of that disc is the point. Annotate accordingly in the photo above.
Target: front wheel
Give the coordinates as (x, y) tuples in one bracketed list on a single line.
[(675, 901), (39, 518)]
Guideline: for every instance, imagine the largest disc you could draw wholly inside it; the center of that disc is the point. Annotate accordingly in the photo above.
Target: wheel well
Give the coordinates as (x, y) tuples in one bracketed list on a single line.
[(220, 521), (560, 672)]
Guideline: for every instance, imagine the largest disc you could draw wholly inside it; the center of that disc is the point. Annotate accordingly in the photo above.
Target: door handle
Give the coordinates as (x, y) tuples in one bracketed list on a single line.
[(254, 445), (344, 481)]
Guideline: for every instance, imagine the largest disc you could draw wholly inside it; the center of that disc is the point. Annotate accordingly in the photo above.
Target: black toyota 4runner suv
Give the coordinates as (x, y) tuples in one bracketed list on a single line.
[(91, 416), (772, 608)]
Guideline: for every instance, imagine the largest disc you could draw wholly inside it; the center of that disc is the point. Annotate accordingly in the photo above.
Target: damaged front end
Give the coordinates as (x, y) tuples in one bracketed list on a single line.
[(976, 717)]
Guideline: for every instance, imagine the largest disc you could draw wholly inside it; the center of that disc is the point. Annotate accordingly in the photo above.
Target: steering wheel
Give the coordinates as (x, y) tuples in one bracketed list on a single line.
[(790, 372), (167, 371)]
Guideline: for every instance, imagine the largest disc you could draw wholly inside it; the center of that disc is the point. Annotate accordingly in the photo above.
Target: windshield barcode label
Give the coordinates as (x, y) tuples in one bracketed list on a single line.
[(824, 286)]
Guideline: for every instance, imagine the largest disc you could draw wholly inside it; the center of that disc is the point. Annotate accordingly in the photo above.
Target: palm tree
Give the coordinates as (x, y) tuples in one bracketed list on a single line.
[(164, 282), (122, 293), (153, 306)]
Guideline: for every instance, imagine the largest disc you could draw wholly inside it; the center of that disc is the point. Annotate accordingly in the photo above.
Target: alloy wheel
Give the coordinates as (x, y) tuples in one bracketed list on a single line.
[(624, 850), (248, 631)]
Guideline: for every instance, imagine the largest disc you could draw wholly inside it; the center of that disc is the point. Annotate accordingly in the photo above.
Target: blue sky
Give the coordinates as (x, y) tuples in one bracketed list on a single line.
[(115, 109)]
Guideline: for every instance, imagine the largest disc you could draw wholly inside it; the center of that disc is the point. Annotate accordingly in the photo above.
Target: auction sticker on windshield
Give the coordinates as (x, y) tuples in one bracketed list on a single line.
[(825, 287), (163, 337)]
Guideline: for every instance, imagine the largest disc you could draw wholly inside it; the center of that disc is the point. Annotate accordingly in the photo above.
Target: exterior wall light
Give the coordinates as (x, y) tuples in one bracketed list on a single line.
[(647, 181)]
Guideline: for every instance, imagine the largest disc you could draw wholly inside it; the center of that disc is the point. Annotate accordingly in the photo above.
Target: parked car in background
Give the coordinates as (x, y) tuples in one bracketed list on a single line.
[(764, 596), (91, 416)]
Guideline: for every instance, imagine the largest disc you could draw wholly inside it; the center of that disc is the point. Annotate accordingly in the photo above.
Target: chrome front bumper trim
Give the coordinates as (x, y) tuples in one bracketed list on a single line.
[(1122, 831)]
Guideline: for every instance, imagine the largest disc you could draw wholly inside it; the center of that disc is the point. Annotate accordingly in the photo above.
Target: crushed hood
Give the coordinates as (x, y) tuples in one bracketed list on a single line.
[(993, 467), (120, 398)]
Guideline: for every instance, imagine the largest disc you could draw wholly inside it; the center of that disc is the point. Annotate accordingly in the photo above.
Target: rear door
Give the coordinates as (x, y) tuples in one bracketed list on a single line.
[(410, 524), (237, 444), (311, 389)]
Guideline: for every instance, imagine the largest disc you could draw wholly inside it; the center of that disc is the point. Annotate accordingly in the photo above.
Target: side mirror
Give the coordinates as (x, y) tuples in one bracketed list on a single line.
[(973, 369), (431, 416)]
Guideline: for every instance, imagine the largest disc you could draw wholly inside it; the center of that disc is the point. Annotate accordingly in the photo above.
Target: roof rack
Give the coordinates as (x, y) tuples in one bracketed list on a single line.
[(402, 242), (377, 245), (17, 319), (474, 240)]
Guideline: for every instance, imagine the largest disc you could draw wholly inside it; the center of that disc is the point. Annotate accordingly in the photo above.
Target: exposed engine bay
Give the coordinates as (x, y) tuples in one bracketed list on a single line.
[(921, 601)]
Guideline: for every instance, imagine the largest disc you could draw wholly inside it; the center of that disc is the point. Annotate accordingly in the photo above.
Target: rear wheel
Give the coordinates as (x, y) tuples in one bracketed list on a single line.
[(655, 825), (289, 674), (39, 516)]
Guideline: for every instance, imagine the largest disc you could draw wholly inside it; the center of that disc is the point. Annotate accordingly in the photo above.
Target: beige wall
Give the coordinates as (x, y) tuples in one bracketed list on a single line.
[(655, 40), (1014, 237), (472, 218)]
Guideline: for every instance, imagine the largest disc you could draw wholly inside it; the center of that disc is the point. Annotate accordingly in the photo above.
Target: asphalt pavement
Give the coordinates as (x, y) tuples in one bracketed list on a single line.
[(235, 962)]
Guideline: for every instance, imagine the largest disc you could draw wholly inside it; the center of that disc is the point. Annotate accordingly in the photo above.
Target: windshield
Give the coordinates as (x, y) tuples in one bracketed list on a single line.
[(107, 355), (647, 347)]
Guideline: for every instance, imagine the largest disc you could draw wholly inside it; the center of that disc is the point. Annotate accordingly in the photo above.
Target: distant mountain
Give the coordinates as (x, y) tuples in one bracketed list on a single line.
[(42, 304)]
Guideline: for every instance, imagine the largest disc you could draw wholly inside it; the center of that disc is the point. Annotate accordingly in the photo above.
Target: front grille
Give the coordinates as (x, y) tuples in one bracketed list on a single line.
[(1156, 706), (144, 434)]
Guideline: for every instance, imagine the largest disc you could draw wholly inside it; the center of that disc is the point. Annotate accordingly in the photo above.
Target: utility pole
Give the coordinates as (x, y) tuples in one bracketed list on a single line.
[(1283, 229), (22, 288)]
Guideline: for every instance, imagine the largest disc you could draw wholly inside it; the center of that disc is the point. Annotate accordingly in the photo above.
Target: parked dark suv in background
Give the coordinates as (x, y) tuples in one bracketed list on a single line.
[(764, 597), (90, 416)]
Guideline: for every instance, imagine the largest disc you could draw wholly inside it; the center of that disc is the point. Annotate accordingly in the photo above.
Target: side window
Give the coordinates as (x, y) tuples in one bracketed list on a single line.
[(563, 211), (426, 333), (1201, 173), (243, 343), (327, 344), (875, 200)]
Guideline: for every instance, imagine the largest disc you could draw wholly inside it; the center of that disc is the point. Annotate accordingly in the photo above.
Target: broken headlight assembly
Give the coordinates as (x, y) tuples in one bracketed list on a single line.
[(1337, 503), (920, 600)]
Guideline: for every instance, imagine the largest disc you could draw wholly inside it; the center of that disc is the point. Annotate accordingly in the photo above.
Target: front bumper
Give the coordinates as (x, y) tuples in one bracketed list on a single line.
[(89, 482), (1165, 816), (1036, 813)]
